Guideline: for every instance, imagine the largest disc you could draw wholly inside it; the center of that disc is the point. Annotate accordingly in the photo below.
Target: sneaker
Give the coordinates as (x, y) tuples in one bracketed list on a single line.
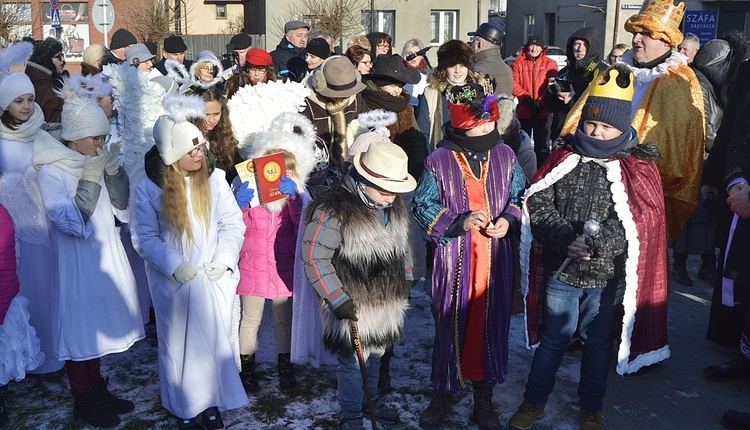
[(350, 421), (734, 370), (383, 412), (211, 419), (187, 424), (590, 420), (526, 414)]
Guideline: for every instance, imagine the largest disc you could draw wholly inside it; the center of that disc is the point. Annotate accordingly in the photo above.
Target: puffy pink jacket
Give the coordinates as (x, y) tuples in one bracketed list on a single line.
[(267, 257), (9, 284)]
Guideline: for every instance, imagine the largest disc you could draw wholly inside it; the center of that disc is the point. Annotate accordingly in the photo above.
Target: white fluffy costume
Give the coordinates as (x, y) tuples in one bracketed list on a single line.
[(193, 319)]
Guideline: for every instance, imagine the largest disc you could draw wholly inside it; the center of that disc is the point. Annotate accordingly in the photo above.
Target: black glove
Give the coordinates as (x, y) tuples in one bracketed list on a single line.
[(536, 109), (345, 311)]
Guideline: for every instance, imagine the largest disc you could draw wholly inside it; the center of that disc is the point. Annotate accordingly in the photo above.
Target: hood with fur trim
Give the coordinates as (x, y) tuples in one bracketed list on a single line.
[(44, 50), (206, 57)]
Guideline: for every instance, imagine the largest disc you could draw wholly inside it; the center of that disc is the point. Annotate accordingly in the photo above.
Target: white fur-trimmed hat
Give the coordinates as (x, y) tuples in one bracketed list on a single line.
[(373, 128), (291, 132), (12, 84), (175, 136), (81, 117)]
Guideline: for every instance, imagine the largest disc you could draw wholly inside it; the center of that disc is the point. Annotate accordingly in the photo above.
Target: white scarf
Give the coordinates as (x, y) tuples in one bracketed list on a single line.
[(27, 131), (48, 151)]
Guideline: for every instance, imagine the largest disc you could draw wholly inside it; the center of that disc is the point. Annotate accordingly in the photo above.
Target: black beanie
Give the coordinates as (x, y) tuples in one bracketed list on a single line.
[(174, 44), (44, 50), (122, 38), (241, 41), (319, 48)]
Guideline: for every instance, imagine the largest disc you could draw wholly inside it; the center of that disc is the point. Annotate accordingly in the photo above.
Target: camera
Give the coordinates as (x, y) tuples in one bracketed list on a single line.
[(561, 84), (231, 54)]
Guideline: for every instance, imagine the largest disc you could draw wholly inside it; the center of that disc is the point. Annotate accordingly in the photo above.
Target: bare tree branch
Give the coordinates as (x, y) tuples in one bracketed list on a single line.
[(11, 13), (153, 20), (235, 25), (341, 17)]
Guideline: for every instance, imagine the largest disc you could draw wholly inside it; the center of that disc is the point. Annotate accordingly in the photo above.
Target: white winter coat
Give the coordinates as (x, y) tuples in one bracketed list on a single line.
[(193, 320), (96, 301)]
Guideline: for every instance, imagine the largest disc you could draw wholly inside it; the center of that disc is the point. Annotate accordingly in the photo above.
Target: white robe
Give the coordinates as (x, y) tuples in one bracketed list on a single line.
[(193, 320), (96, 302), (36, 285)]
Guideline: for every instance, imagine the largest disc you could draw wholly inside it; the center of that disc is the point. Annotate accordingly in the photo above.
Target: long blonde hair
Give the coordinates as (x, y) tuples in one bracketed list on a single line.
[(174, 199)]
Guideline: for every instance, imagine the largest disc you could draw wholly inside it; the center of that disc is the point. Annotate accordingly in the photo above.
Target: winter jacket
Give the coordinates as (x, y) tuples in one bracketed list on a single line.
[(579, 73), (557, 215), (45, 83), (711, 66), (405, 132), (161, 67), (530, 77), (9, 284), (315, 111), (490, 64), (267, 256), (289, 61), (352, 251)]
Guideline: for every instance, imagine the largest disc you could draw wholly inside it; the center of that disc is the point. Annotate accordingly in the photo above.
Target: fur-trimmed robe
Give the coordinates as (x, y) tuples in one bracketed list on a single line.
[(369, 262)]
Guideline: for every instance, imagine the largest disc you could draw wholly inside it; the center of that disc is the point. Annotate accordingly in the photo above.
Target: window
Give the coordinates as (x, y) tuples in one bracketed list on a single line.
[(443, 26), (221, 11), (528, 24), (384, 21)]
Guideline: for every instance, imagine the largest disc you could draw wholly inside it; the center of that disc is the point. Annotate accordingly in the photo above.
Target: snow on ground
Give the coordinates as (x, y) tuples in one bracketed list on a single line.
[(44, 401)]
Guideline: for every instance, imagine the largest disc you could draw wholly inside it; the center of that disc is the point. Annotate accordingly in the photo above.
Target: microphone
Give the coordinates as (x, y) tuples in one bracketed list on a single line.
[(421, 52)]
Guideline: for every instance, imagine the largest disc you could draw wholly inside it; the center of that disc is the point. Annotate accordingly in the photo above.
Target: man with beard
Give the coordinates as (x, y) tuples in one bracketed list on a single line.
[(584, 60)]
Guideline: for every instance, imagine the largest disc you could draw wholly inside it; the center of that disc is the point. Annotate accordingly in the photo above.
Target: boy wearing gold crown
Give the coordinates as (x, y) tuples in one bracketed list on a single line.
[(592, 219)]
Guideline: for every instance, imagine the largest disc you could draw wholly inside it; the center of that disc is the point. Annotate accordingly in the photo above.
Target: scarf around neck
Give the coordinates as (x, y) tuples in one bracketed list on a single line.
[(48, 151), (597, 148), (27, 131), (379, 99), (475, 143)]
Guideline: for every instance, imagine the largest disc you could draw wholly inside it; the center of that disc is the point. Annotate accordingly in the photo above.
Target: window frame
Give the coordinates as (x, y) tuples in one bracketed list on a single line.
[(441, 14)]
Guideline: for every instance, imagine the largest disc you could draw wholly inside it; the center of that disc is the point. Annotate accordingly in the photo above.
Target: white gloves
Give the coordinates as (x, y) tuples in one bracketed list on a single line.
[(112, 155), (214, 271), (184, 272), (93, 167)]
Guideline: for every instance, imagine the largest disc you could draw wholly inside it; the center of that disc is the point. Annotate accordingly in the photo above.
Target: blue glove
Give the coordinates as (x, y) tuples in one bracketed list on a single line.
[(288, 186), (245, 195)]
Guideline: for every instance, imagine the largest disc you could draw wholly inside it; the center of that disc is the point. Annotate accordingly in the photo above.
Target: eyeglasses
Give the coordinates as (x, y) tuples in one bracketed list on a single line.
[(207, 68), (194, 152), (257, 70), (101, 140), (384, 46)]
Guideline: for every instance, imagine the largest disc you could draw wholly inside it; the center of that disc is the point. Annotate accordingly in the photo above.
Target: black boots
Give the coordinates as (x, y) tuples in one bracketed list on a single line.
[(4, 419), (707, 271), (384, 379), (111, 402), (286, 372), (679, 269), (484, 414), (440, 406), (247, 375), (89, 409)]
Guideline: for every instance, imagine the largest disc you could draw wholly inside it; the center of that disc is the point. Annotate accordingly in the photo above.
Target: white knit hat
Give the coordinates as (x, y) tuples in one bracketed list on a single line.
[(373, 127), (174, 135), (81, 116), (12, 86)]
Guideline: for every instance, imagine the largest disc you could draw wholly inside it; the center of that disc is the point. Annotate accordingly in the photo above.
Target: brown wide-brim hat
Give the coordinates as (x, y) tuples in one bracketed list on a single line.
[(337, 78), (385, 165)]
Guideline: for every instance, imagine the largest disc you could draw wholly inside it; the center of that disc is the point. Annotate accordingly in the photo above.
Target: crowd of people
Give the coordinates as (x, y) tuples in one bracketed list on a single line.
[(129, 184)]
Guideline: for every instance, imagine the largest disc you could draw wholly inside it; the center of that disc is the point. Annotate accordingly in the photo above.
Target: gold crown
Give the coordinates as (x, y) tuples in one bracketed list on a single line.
[(665, 11), (610, 89)]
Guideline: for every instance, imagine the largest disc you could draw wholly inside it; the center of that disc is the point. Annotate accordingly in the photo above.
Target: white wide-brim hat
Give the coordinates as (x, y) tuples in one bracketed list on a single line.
[(385, 165)]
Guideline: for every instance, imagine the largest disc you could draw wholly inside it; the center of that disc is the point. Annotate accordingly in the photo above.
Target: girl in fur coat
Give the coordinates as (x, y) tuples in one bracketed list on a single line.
[(189, 230), (269, 252)]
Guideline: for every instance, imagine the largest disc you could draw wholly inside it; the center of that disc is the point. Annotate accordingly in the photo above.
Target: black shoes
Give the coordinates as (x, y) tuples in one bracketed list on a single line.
[(247, 375), (89, 409), (111, 402), (211, 419), (286, 372), (440, 406), (734, 370), (734, 420)]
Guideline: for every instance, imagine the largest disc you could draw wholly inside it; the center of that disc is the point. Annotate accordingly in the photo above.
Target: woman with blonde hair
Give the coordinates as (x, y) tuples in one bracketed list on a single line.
[(615, 54), (189, 230)]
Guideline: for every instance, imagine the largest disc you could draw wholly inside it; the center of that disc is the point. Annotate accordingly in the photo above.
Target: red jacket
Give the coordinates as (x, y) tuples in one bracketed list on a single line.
[(530, 76)]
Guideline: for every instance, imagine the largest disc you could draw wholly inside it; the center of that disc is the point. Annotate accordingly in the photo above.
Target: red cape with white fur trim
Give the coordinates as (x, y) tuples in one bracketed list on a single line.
[(639, 204)]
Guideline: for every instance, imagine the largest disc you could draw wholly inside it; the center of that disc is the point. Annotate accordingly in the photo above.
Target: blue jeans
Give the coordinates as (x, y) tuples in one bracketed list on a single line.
[(351, 390), (564, 307)]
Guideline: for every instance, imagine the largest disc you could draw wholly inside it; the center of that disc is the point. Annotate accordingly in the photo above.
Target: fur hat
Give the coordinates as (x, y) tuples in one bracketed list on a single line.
[(507, 111), (81, 116), (44, 50), (122, 38), (200, 59), (175, 136), (319, 48), (455, 52), (373, 127), (13, 85), (384, 165), (291, 132)]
